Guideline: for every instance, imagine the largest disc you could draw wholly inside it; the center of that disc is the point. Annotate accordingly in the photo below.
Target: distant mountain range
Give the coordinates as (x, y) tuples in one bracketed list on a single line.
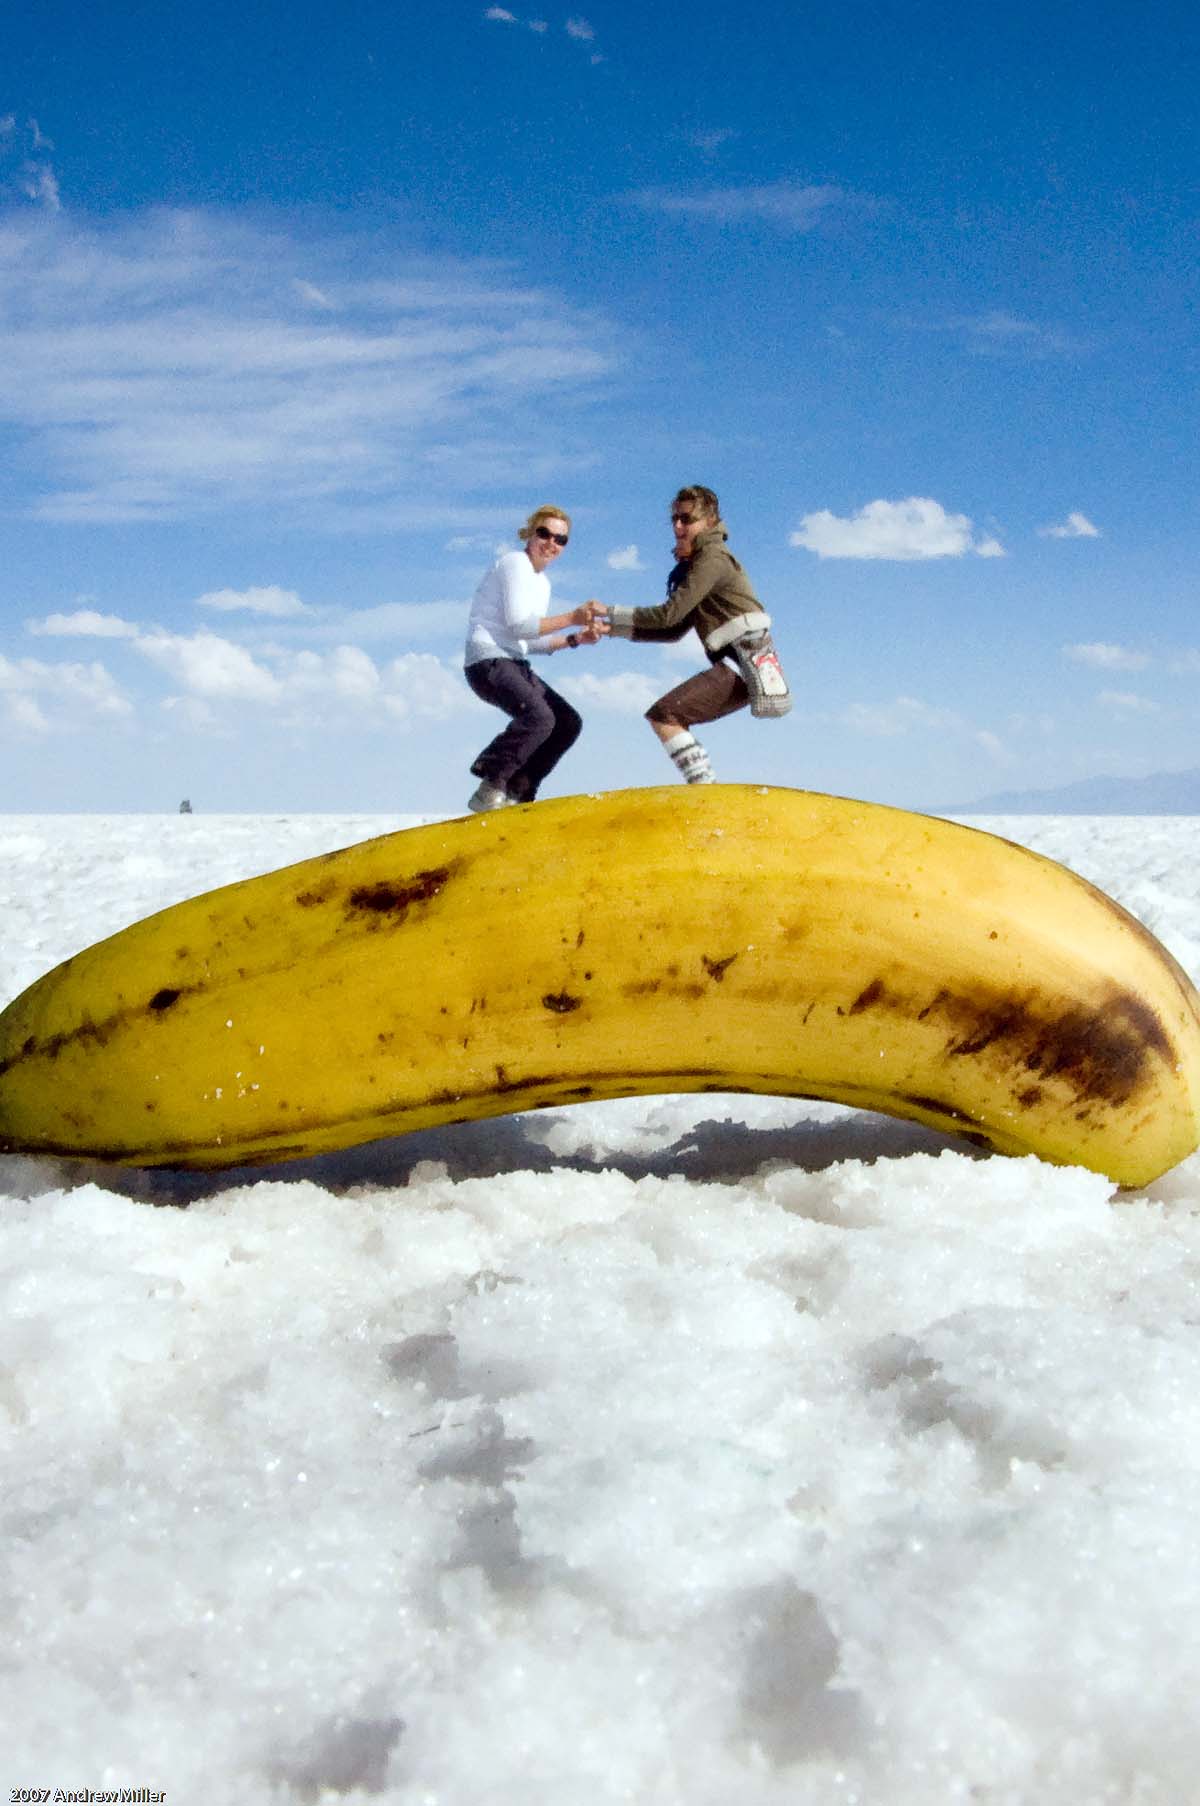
[(1162, 793)]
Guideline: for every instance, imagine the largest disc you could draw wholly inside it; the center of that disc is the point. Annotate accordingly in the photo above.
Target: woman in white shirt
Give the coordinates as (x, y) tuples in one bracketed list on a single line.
[(509, 620)]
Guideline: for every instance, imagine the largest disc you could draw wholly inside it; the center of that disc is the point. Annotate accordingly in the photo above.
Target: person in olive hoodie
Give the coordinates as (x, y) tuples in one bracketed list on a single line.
[(707, 590)]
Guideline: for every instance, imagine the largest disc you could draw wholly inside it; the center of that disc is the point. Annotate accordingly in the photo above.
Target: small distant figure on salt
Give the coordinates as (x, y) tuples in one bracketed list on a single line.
[(509, 621), (707, 590), (185, 808)]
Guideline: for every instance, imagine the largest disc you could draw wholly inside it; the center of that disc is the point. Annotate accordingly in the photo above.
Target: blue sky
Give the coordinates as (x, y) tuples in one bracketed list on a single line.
[(303, 310)]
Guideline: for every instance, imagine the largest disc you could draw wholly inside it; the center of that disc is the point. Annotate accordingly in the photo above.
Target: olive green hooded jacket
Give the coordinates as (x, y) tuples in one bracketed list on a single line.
[(708, 591)]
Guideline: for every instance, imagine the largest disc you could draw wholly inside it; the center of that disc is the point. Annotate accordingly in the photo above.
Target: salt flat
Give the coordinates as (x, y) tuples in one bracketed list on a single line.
[(677, 1450)]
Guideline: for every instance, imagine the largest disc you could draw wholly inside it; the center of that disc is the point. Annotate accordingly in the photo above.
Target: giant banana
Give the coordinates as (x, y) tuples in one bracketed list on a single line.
[(722, 937)]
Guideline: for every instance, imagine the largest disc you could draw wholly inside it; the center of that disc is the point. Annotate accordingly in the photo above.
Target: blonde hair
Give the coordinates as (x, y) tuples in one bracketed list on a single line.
[(544, 513)]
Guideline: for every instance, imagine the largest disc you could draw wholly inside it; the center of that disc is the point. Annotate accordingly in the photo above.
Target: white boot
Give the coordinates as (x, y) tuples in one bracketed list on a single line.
[(690, 758)]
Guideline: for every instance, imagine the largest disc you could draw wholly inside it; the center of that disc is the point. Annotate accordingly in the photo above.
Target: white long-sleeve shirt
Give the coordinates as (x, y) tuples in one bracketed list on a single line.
[(508, 609)]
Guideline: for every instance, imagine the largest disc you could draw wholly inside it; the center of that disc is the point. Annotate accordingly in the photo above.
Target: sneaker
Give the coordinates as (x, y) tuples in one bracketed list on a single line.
[(488, 796)]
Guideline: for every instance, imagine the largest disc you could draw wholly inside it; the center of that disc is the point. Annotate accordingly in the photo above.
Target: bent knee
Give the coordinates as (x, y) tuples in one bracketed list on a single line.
[(538, 715)]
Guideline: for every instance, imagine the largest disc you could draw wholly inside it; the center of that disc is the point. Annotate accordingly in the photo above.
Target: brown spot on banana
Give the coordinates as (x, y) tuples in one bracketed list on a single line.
[(953, 1117), (318, 894), (717, 968), (1104, 1051), (394, 899)]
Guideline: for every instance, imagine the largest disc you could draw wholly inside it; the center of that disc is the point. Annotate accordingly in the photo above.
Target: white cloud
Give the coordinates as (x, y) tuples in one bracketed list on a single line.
[(347, 672), (688, 650), (270, 600), (1100, 656), (502, 16), (1126, 702), (420, 687), (88, 686), (316, 297), (33, 177), (215, 681), (39, 183), (785, 204), (402, 621), (353, 673), (395, 624), (909, 715), (1076, 526), (306, 684), (85, 623), (579, 28), (206, 665), (24, 712), (708, 143), (886, 721), (1001, 331), (993, 746), (917, 528), (152, 386), (623, 693), (625, 559), (477, 542), (1000, 334), (197, 715)]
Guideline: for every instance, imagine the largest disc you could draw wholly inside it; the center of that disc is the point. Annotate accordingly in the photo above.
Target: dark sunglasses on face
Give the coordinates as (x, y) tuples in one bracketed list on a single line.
[(685, 520), (560, 539)]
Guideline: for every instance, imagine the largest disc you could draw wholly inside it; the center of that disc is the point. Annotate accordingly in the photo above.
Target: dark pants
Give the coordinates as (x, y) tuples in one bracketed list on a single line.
[(542, 728), (706, 697)]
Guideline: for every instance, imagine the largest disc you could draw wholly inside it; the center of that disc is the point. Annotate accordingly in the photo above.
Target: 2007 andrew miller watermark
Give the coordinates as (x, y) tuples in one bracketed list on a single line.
[(94, 1796)]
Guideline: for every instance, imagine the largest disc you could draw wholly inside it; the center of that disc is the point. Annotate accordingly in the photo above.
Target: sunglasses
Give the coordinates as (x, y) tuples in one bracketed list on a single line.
[(685, 520), (560, 539)]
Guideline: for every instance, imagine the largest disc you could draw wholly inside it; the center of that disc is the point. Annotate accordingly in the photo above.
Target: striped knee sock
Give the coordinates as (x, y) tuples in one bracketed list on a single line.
[(690, 758)]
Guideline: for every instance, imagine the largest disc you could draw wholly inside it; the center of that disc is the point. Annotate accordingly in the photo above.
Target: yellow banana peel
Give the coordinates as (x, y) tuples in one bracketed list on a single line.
[(702, 938)]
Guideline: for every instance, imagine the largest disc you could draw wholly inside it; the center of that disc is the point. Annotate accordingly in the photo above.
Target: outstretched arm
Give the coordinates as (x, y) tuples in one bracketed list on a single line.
[(583, 616), (588, 627), (672, 618)]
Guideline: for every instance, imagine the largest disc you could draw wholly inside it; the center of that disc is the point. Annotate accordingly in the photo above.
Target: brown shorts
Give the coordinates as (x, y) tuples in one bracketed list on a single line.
[(706, 697)]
